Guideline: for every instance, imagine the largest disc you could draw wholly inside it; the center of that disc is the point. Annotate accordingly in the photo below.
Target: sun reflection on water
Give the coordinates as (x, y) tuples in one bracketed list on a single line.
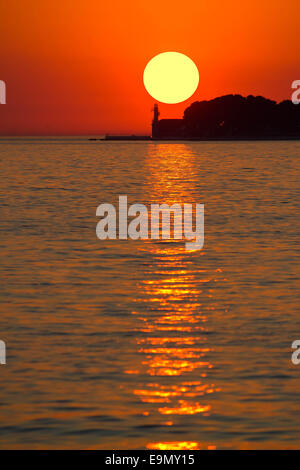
[(173, 347)]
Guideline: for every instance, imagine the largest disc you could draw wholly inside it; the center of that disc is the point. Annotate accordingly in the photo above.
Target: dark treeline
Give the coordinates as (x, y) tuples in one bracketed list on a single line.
[(238, 117)]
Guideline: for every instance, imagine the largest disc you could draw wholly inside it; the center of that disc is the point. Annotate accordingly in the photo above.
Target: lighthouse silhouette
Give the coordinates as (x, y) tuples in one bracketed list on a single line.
[(155, 122), (164, 129)]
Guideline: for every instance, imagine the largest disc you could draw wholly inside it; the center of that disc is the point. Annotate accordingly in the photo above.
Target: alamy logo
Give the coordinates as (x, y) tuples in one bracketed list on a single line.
[(160, 222), (296, 94), (2, 92), (2, 352), (296, 353)]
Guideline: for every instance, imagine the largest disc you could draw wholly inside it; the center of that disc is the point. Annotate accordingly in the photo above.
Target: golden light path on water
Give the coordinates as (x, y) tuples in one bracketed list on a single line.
[(174, 348)]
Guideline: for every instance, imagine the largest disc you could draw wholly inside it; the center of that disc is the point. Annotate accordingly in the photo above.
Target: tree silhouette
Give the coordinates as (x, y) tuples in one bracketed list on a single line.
[(234, 116)]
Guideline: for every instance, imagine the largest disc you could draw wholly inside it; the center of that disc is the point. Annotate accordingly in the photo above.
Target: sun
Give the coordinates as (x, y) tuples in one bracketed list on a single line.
[(171, 77)]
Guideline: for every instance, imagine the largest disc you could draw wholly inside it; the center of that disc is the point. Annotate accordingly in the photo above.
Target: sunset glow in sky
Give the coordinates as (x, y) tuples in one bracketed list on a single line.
[(76, 67)]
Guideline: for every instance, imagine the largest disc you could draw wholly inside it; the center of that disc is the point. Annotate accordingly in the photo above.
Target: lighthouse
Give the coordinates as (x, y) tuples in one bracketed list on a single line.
[(155, 122), (166, 129)]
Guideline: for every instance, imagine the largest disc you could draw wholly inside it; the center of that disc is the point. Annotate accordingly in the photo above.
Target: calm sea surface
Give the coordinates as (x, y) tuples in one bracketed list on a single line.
[(141, 344)]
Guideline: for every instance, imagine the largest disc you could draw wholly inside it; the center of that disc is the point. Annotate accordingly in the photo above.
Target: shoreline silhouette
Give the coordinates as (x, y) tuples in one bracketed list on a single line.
[(229, 117)]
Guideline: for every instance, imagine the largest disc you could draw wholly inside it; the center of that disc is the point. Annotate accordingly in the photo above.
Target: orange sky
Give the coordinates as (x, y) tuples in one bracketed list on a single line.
[(76, 66)]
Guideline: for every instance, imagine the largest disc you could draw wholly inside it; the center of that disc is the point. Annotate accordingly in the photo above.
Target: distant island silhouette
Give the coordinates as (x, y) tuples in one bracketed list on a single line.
[(229, 117)]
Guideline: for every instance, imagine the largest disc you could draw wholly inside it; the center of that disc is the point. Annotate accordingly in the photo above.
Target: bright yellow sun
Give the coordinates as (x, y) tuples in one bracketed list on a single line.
[(171, 77)]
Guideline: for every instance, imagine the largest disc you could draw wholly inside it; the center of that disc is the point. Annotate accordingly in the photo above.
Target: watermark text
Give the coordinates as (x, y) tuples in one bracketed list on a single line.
[(296, 353), (187, 222), (2, 92), (296, 93), (2, 352)]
